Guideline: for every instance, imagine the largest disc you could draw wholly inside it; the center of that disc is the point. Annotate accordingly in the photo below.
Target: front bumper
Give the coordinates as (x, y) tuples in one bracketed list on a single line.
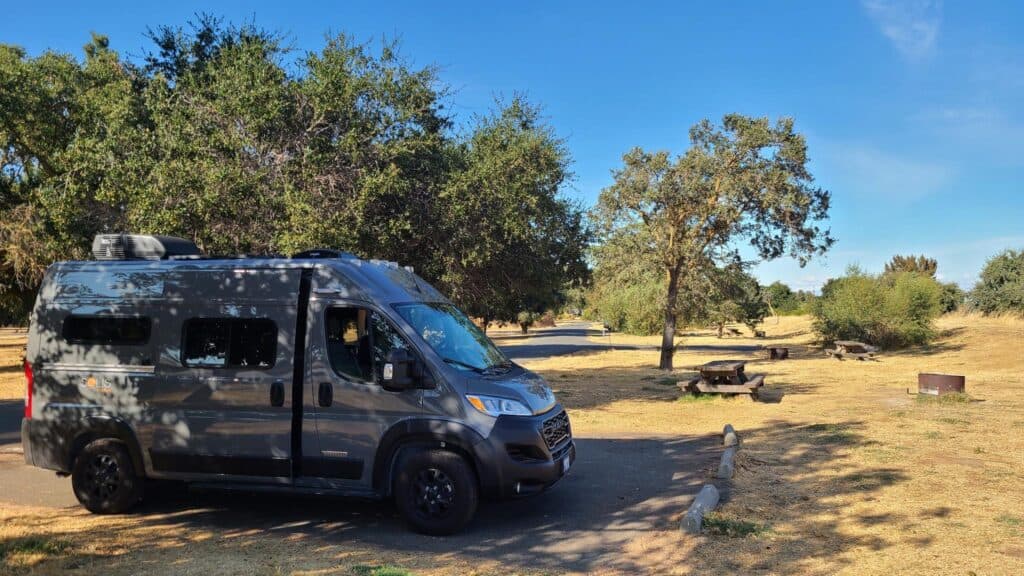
[(516, 460)]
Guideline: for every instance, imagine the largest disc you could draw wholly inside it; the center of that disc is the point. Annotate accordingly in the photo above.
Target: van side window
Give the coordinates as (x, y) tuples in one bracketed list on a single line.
[(385, 339), (106, 330), (230, 343), (348, 343)]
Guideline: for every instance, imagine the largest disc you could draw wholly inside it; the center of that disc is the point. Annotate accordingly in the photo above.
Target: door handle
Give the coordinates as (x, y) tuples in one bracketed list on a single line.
[(325, 394), (277, 393)]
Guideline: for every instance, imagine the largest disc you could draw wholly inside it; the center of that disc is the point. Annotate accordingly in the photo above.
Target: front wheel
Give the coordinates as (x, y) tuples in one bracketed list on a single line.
[(436, 491), (104, 479)]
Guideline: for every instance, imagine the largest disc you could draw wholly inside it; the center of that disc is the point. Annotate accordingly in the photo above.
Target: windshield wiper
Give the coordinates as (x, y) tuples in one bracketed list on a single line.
[(476, 369), (503, 366)]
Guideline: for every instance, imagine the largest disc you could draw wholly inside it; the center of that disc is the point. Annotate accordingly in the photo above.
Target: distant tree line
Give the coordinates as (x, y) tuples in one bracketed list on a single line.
[(892, 309), (225, 136)]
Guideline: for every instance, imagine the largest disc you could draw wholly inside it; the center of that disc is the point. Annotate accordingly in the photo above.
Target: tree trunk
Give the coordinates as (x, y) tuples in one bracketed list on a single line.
[(721, 328), (524, 327), (486, 322), (668, 336)]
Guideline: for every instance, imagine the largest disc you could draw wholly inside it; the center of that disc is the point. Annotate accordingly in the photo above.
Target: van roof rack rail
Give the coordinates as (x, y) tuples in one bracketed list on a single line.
[(320, 253)]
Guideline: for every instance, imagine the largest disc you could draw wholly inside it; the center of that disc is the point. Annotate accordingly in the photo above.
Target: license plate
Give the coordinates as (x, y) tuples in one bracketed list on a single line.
[(566, 463)]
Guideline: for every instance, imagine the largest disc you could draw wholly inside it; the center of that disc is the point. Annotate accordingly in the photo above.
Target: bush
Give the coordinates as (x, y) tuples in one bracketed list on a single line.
[(891, 311), (633, 308), (951, 297), (1001, 288)]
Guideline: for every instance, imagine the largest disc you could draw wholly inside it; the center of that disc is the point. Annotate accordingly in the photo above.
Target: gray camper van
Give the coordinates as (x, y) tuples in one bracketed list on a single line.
[(320, 373)]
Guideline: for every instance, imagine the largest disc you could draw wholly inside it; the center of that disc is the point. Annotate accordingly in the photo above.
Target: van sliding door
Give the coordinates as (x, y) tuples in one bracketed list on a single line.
[(225, 400)]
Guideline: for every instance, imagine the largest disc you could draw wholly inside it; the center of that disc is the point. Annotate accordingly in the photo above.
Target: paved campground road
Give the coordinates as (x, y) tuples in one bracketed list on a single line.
[(571, 337)]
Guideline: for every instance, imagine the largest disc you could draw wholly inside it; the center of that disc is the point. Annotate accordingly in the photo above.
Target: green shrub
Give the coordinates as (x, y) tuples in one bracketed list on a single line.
[(951, 297), (633, 308), (890, 311), (1001, 288)]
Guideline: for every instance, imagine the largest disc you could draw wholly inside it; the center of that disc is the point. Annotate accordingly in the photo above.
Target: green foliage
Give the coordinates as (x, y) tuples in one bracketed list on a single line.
[(1001, 287), (951, 398), (214, 138), (952, 297), (745, 179), (888, 311), (633, 307), (919, 264), (32, 545), (363, 570), (785, 302), (718, 524), (629, 291), (724, 295), (509, 243)]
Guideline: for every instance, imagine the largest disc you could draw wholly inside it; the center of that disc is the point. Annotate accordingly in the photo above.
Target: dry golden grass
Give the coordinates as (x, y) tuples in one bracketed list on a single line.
[(12, 379), (848, 473), (843, 472)]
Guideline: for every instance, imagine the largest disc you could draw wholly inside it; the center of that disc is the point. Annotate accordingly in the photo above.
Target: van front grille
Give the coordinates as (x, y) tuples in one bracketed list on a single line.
[(556, 429)]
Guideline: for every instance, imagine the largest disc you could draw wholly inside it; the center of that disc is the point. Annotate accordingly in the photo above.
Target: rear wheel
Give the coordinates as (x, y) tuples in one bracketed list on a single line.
[(104, 479), (436, 491)]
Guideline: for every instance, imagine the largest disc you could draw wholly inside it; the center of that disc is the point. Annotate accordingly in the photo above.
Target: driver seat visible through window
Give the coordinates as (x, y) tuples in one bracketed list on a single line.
[(348, 343)]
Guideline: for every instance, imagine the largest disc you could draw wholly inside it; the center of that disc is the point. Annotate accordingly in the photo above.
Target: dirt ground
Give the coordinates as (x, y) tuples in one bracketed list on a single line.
[(841, 471)]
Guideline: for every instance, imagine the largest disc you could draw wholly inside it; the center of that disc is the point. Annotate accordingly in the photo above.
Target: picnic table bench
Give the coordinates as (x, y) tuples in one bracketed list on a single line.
[(777, 352), (853, 349), (723, 377)]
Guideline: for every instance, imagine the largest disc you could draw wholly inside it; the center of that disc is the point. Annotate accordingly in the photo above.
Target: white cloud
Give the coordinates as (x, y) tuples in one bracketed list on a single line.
[(979, 128), (866, 170), (911, 25)]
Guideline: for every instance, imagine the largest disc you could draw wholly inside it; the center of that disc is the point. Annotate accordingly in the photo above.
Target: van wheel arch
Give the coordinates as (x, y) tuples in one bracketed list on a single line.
[(424, 445), (114, 429), (421, 435)]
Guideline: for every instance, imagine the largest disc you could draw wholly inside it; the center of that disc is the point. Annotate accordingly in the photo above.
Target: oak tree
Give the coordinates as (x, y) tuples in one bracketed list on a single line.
[(743, 180)]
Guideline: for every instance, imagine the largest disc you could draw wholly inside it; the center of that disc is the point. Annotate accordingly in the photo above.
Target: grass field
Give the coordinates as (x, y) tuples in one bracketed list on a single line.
[(841, 470)]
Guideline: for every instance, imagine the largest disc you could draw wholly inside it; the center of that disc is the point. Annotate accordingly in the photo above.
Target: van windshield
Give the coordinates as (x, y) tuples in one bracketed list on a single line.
[(453, 336)]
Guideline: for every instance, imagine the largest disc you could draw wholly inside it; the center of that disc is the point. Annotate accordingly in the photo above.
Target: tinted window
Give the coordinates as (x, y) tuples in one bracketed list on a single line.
[(230, 343), (348, 342), (106, 330), (358, 343), (385, 339)]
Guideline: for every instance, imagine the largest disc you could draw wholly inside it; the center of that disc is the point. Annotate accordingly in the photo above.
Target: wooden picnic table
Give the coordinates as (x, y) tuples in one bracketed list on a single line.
[(777, 352), (723, 377), (853, 349)]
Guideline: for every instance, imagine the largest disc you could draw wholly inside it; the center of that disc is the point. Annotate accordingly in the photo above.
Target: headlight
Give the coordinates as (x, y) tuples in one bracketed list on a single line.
[(494, 406)]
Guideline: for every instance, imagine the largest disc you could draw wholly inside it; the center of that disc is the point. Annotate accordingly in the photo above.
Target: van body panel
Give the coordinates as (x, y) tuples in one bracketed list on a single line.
[(176, 359)]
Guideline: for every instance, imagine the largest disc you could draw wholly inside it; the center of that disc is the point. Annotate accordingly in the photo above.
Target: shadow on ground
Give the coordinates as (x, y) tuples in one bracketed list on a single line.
[(618, 490), (796, 475), (617, 512)]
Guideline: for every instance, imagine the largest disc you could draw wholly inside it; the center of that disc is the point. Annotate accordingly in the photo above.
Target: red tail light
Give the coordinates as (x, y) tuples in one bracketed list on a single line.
[(28, 389)]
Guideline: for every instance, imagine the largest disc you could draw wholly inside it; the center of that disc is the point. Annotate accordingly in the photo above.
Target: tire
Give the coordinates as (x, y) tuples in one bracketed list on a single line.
[(104, 478), (435, 491)]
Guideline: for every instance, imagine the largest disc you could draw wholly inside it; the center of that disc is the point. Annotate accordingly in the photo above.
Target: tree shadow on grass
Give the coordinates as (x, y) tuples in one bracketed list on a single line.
[(619, 490), (617, 512), (791, 481)]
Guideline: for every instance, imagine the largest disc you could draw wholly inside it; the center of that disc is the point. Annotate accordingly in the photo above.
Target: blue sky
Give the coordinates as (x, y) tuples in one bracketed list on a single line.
[(913, 110)]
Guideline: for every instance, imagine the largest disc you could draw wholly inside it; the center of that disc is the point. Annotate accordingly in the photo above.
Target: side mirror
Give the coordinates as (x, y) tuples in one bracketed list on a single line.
[(403, 372)]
